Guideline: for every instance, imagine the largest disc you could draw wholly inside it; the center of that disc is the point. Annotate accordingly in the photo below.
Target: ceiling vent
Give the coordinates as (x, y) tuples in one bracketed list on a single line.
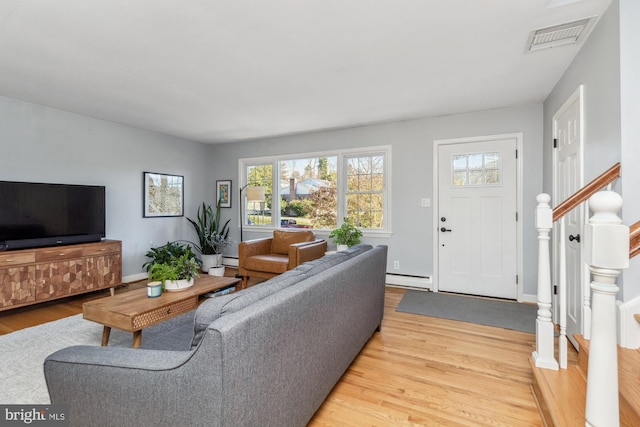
[(558, 35)]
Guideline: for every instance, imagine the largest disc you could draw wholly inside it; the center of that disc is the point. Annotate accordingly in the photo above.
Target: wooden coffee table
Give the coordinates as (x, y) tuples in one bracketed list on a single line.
[(133, 311)]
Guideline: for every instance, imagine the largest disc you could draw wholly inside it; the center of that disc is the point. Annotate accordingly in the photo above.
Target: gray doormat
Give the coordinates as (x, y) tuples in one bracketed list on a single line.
[(490, 312)]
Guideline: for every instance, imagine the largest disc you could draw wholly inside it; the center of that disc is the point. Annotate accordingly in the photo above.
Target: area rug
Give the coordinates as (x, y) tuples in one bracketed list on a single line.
[(22, 353), (482, 311)]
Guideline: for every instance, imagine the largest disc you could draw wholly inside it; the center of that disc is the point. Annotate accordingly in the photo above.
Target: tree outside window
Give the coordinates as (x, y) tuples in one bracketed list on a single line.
[(365, 191), (304, 191)]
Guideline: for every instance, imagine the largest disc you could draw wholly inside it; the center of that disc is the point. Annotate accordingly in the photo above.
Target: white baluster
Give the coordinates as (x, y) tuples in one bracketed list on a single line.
[(562, 297), (586, 292), (607, 247), (543, 356)]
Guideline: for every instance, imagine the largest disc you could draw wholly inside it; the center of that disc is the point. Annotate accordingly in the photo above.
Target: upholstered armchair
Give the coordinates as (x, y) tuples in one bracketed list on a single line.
[(271, 256)]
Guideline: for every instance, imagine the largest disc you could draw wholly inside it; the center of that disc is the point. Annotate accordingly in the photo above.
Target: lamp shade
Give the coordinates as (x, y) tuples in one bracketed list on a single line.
[(255, 194)]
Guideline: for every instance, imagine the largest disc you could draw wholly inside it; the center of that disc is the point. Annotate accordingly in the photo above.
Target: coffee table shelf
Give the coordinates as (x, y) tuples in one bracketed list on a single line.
[(133, 311)]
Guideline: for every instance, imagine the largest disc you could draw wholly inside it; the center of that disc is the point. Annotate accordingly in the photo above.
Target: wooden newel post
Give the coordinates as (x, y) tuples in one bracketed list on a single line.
[(543, 356), (607, 253)]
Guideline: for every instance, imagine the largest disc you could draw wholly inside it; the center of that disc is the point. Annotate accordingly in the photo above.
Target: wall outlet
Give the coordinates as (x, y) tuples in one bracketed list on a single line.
[(425, 203), (396, 265)]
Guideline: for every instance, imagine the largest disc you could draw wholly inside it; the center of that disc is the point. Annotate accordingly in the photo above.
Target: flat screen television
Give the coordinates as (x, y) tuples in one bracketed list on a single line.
[(39, 214)]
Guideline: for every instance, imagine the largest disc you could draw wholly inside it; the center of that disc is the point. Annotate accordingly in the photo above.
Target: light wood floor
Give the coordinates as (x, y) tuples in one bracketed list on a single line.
[(418, 371)]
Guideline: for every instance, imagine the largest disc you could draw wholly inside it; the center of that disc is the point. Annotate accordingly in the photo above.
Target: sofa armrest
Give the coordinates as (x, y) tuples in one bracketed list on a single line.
[(306, 251), (113, 386)]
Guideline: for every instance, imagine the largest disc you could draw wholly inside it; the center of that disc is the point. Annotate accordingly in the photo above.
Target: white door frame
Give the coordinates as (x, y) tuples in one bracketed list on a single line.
[(577, 95), (519, 202)]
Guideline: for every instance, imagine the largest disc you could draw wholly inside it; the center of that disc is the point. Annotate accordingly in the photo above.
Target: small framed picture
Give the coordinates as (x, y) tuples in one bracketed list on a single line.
[(163, 195), (223, 193)]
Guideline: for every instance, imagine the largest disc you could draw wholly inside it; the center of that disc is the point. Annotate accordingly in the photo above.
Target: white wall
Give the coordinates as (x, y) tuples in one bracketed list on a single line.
[(412, 151), (630, 128), (607, 66), (41, 144), (597, 68)]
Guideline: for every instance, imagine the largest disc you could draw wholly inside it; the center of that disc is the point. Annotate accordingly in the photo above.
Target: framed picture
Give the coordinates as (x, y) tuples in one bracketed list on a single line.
[(223, 193), (163, 195)]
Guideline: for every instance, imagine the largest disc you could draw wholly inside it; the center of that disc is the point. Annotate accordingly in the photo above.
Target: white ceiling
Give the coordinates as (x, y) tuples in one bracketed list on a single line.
[(222, 71)]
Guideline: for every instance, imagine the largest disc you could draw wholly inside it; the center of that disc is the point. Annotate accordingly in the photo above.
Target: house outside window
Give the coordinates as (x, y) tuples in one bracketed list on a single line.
[(319, 190)]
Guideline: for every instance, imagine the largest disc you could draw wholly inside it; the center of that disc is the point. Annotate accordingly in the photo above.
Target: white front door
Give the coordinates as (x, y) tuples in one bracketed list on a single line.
[(477, 208), (568, 180)]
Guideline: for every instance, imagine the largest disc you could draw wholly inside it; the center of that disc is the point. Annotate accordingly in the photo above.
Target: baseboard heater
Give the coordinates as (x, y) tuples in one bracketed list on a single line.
[(408, 281)]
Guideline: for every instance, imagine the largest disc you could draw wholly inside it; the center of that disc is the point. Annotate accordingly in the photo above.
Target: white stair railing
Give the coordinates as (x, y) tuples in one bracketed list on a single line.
[(543, 356), (607, 253)]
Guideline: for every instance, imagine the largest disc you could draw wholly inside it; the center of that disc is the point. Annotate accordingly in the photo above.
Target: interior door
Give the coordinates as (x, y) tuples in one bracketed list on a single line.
[(477, 233), (568, 180)]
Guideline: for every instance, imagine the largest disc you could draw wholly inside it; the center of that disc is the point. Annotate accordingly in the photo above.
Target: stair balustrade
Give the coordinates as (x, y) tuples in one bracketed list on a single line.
[(607, 253)]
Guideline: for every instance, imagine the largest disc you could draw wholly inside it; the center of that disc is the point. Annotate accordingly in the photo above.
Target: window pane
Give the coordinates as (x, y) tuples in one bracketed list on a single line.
[(459, 162), (459, 178), (308, 192), (475, 178), (492, 160), (492, 176), (365, 194), (257, 210), (475, 161)]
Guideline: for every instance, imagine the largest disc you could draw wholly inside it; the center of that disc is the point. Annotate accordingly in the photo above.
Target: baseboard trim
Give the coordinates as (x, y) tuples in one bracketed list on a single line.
[(134, 277), (406, 281)]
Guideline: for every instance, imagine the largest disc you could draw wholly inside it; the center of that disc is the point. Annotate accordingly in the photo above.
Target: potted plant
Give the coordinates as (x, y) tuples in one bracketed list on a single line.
[(176, 274), (166, 253), (219, 243), (346, 235), (210, 230), (172, 262)]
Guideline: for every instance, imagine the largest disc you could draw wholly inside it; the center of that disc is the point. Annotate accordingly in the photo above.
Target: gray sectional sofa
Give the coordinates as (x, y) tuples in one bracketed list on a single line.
[(265, 356)]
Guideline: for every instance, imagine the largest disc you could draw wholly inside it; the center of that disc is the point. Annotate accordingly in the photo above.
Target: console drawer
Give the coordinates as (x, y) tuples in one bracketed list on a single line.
[(58, 254), (17, 258), (100, 249)]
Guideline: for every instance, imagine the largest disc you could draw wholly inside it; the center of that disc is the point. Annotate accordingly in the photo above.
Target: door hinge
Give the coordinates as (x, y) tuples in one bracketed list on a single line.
[(555, 289), (516, 216), (555, 142), (516, 154), (517, 278)]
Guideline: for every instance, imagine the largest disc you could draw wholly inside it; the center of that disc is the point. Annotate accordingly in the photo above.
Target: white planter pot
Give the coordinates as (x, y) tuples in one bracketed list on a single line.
[(216, 271), (177, 285), (343, 247), (209, 261)]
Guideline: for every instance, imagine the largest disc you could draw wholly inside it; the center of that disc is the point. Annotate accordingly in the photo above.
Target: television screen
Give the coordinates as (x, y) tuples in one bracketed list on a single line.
[(38, 214)]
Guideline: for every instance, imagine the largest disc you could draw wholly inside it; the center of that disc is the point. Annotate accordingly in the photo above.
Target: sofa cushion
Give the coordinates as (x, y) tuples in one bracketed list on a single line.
[(311, 268), (217, 307), (356, 250), (283, 239), (270, 263)]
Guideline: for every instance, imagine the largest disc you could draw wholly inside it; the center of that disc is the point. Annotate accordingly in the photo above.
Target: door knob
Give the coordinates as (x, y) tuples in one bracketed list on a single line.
[(576, 238), (444, 229)]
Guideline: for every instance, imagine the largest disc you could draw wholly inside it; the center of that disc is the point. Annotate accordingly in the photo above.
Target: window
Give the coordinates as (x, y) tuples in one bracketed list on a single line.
[(475, 169), (258, 194), (319, 190), (365, 190), (308, 192)]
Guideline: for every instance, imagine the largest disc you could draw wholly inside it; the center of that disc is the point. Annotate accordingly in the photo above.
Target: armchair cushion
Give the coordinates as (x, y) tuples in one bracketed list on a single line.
[(283, 239), (270, 263)]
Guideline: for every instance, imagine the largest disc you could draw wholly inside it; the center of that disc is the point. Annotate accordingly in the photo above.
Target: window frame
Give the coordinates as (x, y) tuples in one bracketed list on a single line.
[(342, 156)]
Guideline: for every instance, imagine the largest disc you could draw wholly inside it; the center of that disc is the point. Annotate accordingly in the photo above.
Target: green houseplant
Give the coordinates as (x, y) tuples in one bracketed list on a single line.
[(173, 264), (175, 274), (213, 236), (166, 253), (346, 235)]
